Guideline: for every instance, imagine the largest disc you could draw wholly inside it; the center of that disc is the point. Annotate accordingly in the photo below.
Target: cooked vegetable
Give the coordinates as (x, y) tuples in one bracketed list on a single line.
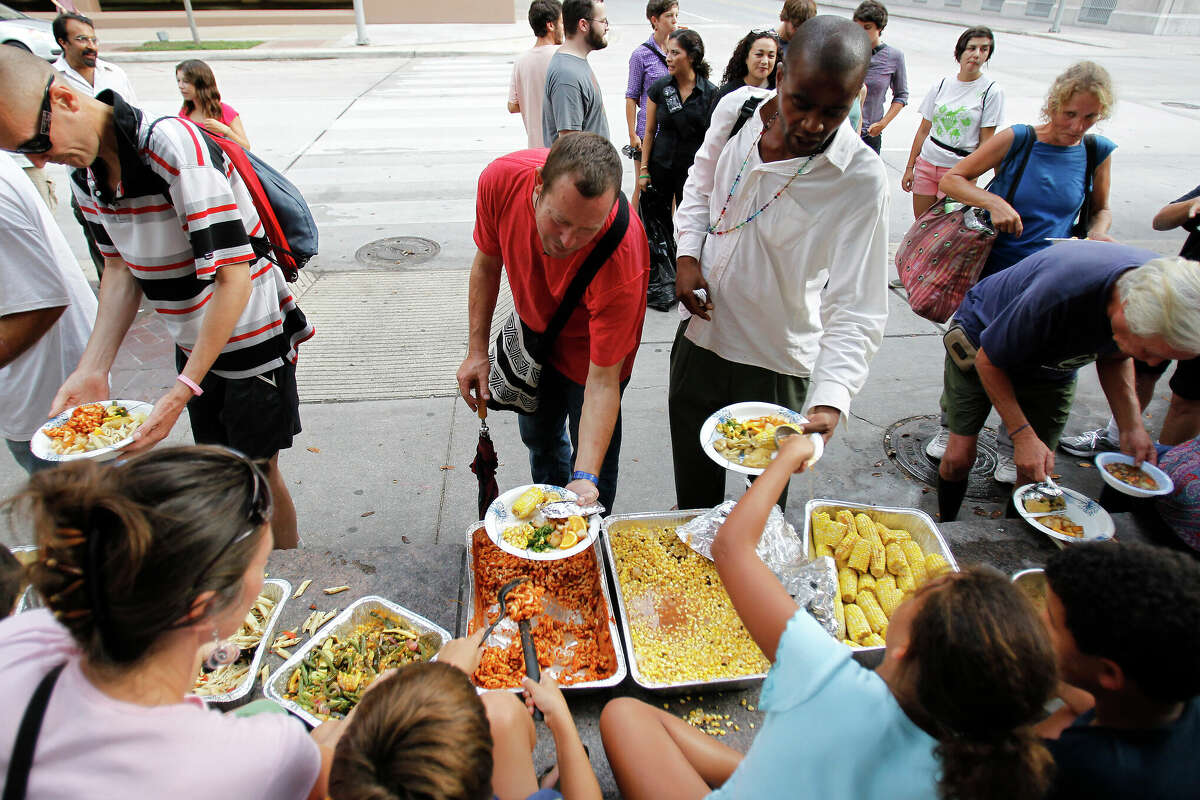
[(331, 678), (529, 500)]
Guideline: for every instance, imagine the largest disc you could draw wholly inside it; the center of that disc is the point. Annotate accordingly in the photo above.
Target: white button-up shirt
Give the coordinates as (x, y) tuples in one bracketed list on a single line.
[(802, 289), (106, 75)]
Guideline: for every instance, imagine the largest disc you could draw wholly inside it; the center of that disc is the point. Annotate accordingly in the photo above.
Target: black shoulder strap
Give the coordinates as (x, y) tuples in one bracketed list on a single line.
[(587, 271), (983, 102), (21, 762), (743, 116), (1085, 210), (661, 57), (1028, 140)]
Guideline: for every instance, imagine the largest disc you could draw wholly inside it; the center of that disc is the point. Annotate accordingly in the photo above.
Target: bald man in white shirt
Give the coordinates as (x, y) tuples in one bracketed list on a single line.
[(783, 224)]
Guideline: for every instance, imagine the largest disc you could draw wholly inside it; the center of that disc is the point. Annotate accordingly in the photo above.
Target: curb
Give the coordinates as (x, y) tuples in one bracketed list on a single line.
[(365, 51)]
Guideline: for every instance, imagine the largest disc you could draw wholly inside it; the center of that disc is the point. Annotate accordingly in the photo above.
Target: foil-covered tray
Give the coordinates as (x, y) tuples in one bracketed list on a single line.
[(618, 653), (920, 526), (343, 624), (663, 519), (279, 591)]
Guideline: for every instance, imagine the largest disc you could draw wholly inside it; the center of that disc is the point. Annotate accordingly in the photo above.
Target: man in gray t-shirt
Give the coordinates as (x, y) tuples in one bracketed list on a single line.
[(573, 101)]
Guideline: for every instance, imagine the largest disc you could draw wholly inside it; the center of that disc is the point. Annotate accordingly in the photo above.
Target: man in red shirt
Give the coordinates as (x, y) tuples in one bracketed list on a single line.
[(538, 215)]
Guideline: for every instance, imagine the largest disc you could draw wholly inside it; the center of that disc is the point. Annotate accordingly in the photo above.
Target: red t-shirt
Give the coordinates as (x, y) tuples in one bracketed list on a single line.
[(607, 326)]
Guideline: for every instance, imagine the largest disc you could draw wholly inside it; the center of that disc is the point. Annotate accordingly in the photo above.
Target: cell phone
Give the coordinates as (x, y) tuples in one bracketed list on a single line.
[(960, 348)]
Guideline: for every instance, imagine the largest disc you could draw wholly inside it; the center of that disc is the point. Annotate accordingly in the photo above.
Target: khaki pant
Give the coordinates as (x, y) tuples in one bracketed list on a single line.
[(45, 186)]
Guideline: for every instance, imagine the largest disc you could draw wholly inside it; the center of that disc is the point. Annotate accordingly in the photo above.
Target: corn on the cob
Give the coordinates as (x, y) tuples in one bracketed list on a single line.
[(848, 584), (905, 582), (826, 531), (935, 565), (856, 623), (823, 550), (860, 556), (839, 613), (841, 553), (529, 500), (873, 612), (888, 535), (847, 519), (888, 594), (916, 560), (866, 581), (874, 640), (896, 560)]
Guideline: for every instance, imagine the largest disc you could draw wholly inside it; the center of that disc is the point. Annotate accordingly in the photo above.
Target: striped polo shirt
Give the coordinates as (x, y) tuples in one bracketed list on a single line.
[(180, 213)]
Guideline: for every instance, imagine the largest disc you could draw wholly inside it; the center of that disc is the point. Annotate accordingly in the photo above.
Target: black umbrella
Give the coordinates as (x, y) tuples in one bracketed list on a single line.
[(485, 463)]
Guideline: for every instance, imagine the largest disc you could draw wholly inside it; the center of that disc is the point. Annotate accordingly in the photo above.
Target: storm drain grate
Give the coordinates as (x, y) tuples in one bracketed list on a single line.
[(397, 251), (905, 441)]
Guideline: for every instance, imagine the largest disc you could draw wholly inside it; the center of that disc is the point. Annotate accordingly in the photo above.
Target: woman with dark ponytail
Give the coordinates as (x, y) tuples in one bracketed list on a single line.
[(144, 567), (948, 714)]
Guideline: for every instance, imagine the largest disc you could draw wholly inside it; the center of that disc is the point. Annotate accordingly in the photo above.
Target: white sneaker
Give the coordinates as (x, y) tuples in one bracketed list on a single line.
[(1006, 469), (935, 448), (1088, 443)]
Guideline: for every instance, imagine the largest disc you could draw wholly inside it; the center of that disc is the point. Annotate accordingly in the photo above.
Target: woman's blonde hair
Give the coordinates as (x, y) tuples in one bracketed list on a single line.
[(1084, 76)]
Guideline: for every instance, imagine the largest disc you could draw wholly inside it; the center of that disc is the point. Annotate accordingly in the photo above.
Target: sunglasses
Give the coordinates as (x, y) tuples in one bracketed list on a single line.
[(258, 514), (40, 143)]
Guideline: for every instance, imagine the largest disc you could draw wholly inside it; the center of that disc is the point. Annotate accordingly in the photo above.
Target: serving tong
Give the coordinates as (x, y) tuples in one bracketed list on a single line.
[(524, 626)]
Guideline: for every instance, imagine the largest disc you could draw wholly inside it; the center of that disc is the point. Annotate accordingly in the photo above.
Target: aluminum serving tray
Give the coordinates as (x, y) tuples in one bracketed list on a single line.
[(29, 598), (343, 624), (278, 590), (621, 670), (663, 519), (920, 526)]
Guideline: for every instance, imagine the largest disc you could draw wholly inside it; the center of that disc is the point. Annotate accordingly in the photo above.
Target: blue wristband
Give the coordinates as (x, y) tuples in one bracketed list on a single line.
[(587, 476)]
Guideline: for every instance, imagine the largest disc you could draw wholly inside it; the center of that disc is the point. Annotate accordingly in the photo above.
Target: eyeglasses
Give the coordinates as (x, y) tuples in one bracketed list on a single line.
[(603, 22), (81, 39), (259, 513), (40, 143)]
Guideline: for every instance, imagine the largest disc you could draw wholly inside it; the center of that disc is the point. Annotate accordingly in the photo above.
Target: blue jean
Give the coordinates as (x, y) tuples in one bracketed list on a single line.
[(552, 435), (25, 458)]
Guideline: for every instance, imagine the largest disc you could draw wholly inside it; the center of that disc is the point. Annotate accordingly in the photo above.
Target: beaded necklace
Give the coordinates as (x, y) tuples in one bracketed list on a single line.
[(738, 179)]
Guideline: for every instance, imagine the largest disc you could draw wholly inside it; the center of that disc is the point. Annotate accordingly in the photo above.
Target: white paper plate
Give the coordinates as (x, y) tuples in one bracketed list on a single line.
[(40, 444), (1082, 510), (500, 516), (709, 434), (1165, 484)]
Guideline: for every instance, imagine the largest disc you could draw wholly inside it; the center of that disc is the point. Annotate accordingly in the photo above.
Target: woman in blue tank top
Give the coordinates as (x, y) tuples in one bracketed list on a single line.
[(1052, 188)]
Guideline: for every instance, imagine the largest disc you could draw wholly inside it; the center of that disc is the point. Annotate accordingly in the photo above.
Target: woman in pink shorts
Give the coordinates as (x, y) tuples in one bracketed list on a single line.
[(959, 114)]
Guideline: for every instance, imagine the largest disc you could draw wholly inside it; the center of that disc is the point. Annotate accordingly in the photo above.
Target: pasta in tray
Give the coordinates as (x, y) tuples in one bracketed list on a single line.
[(93, 426)]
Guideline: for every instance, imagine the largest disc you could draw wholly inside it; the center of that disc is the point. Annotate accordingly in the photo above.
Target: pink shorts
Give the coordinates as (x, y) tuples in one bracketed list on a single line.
[(926, 177)]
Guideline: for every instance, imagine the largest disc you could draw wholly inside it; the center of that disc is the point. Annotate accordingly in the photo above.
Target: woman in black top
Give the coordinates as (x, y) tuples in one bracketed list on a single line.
[(752, 64), (676, 117)]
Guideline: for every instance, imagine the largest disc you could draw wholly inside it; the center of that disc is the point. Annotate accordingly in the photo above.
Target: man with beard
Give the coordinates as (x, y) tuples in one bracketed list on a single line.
[(795, 300), (573, 101), (81, 65)]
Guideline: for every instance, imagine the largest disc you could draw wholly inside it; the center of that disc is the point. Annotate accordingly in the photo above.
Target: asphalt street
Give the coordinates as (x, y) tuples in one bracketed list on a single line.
[(391, 146)]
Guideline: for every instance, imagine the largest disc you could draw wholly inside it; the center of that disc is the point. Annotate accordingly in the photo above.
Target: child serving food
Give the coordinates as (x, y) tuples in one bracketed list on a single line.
[(943, 715)]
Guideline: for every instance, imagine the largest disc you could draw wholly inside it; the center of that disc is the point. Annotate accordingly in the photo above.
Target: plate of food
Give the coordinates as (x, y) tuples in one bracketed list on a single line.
[(93, 430), (515, 523), (1119, 472), (1074, 517), (741, 437)]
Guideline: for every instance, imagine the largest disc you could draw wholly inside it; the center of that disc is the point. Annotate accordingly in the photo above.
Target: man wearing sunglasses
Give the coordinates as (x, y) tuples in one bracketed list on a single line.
[(174, 222), (81, 65)]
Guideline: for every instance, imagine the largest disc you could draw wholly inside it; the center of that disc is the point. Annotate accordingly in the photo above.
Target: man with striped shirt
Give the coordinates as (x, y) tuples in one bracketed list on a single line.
[(175, 223)]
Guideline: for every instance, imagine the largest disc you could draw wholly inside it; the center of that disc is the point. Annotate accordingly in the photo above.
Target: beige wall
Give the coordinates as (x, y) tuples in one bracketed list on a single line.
[(412, 11)]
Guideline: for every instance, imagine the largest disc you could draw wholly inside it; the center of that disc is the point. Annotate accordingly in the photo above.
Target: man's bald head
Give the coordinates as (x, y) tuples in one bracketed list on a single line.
[(831, 46), (23, 78)]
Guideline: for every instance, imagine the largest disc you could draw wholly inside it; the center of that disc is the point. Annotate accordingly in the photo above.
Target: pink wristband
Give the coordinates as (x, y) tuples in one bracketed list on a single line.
[(191, 384)]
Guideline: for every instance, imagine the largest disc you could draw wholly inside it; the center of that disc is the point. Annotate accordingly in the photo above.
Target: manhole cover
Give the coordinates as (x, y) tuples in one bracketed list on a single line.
[(1178, 104), (905, 442), (397, 251)]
